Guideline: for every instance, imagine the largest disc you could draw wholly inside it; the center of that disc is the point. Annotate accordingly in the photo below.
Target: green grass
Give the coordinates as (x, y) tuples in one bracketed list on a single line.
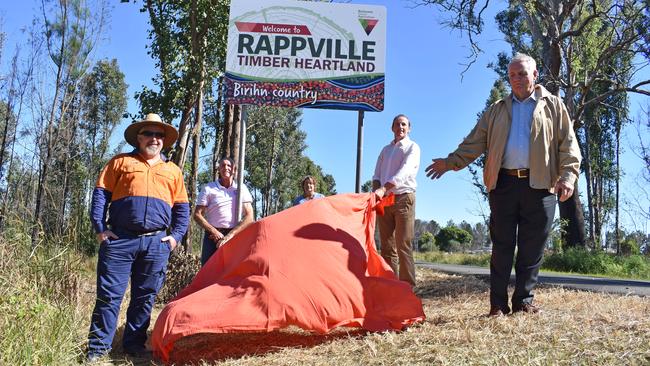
[(571, 261), (39, 295), (481, 260), (598, 263)]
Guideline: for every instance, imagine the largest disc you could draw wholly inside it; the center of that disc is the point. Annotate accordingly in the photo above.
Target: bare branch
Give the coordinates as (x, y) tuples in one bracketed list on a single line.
[(620, 89)]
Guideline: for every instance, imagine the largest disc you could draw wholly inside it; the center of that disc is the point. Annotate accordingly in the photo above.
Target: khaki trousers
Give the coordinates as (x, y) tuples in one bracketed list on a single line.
[(396, 231)]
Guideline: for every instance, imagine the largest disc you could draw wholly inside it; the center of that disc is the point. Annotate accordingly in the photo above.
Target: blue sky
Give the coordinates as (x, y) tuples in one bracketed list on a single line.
[(423, 81)]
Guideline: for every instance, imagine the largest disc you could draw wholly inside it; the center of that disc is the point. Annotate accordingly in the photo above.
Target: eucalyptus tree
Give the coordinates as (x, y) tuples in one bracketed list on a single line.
[(16, 95), (600, 138), (188, 44), (574, 41), (275, 160), (639, 203), (71, 30), (102, 104), (10, 110)]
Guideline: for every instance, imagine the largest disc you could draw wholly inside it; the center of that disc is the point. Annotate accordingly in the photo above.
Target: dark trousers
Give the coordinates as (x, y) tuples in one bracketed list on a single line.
[(143, 260), (209, 247), (519, 216)]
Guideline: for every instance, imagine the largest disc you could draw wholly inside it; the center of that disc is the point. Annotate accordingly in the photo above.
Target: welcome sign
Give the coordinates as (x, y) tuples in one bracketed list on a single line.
[(290, 53)]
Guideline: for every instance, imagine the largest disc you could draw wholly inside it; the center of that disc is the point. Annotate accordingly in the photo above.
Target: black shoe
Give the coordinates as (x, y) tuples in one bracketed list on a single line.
[(526, 308), (138, 352), (496, 311)]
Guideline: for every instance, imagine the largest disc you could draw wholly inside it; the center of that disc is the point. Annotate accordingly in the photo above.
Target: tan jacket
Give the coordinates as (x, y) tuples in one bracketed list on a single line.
[(554, 151)]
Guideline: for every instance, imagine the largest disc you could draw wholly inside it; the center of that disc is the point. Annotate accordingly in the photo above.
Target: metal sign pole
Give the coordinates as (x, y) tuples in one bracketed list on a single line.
[(241, 159), (357, 187)]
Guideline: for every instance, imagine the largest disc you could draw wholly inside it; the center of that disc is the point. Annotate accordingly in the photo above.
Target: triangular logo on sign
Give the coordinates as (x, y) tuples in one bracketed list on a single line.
[(368, 24)]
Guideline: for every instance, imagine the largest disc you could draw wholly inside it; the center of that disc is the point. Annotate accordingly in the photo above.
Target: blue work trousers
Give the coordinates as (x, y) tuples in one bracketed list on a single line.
[(143, 260)]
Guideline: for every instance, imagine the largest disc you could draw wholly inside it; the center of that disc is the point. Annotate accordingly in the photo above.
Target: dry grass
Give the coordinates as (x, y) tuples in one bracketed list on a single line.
[(575, 328)]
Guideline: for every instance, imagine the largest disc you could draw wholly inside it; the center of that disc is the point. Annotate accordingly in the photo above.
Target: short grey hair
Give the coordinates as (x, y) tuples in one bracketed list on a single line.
[(523, 58)]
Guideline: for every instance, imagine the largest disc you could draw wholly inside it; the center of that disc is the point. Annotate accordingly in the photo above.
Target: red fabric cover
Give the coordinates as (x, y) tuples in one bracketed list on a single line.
[(313, 266)]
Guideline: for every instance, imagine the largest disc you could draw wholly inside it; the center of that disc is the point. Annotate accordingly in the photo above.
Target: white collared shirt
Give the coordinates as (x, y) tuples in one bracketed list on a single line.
[(221, 203), (398, 163)]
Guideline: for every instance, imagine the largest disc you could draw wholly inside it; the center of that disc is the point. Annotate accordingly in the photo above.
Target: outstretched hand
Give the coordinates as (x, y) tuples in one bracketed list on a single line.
[(437, 168)]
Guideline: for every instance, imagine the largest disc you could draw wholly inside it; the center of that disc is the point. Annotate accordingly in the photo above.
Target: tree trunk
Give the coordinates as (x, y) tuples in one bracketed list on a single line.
[(597, 209), (571, 209), (617, 231), (588, 176), (184, 132), (226, 147), (196, 144), (236, 129), (269, 175), (8, 114), (218, 133)]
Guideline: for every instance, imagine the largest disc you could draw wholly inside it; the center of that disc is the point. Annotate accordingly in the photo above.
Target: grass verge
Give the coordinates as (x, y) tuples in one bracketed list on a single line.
[(40, 310), (575, 328), (570, 261), (45, 308)]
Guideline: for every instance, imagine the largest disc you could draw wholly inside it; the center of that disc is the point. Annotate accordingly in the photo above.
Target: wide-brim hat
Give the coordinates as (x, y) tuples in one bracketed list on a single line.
[(152, 119)]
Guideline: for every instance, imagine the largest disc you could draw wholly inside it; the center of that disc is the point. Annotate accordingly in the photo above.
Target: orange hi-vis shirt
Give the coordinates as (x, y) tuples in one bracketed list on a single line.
[(140, 197)]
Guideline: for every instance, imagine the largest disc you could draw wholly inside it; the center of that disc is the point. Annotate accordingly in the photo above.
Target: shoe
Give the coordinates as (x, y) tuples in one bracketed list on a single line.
[(95, 358), (496, 311), (138, 352), (526, 308)]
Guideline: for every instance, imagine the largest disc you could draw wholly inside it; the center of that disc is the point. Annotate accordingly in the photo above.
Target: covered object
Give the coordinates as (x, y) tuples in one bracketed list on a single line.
[(314, 266)]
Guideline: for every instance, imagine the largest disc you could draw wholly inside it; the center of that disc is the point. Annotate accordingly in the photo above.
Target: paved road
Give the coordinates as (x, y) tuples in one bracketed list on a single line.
[(587, 283)]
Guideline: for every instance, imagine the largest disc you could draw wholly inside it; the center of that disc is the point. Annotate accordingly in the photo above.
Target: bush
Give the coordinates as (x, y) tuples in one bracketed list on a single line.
[(426, 242), (452, 238), (581, 261), (629, 246), (181, 269), (637, 266)]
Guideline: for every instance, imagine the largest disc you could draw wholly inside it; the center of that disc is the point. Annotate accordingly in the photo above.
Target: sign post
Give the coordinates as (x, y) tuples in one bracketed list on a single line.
[(288, 53), (357, 184)]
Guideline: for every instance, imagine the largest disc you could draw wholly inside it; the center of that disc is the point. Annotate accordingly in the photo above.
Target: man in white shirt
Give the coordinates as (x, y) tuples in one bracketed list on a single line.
[(395, 173), (216, 209)]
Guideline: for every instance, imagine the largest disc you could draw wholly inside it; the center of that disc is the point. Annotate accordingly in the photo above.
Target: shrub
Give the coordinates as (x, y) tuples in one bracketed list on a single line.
[(452, 238), (181, 270), (636, 266), (629, 246), (426, 242), (581, 261)]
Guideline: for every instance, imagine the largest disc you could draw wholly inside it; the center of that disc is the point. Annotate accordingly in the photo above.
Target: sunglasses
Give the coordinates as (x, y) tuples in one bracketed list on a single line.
[(158, 135)]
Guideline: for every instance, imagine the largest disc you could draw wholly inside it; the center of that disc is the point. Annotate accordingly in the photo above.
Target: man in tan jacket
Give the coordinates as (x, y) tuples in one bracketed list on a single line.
[(531, 155)]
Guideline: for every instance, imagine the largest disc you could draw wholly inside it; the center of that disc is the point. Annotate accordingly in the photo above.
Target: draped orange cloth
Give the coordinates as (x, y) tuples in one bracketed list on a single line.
[(314, 266)]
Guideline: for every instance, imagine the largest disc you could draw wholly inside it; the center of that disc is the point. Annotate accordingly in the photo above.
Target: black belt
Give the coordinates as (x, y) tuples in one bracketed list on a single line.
[(519, 173), (140, 233)]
